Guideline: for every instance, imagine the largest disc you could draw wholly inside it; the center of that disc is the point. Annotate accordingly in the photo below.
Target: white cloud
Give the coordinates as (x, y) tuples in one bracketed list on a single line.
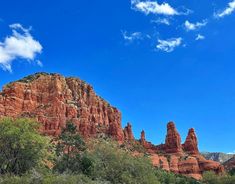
[(193, 26), (20, 45), (132, 36), (162, 21), (153, 7), (200, 37), (169, 45), (227, 11)]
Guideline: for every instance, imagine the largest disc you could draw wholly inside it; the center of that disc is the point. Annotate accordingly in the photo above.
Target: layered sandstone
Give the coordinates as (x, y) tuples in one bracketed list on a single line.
[(53, 100)]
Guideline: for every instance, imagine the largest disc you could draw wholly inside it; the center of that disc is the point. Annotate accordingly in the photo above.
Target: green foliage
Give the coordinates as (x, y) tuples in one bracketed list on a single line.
[(212, 178), (48, 179), (23, 150), (232, 172), (21, 146), (70, 152), (170, 178), (32, 77), (117, 166)]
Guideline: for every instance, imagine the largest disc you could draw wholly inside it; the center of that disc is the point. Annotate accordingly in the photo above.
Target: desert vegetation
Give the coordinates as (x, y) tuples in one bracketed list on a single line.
[(28, 157)]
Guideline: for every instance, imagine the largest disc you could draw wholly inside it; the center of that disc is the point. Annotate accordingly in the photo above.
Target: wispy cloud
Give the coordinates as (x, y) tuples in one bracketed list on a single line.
[(153, 7), (169, 45), (130, 37), (227, 11), (39, 63), (164, 21), (19, 45), (199, 37), (193, 26)]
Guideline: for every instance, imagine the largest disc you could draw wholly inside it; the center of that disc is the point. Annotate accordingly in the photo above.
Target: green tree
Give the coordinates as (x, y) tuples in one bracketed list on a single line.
[(21, 146), (70, 151)]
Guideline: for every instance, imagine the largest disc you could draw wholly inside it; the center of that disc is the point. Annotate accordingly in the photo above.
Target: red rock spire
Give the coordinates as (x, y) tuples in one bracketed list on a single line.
[(142, 137), (191, 144), (173, 139), (128, 134)]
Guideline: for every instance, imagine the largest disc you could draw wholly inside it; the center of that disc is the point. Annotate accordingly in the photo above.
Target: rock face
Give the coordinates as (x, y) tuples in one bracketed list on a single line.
[(191, 144), (53, 100)]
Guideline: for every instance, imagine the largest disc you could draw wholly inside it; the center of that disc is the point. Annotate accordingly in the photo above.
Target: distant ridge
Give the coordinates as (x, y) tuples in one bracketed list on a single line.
[(217, 156)]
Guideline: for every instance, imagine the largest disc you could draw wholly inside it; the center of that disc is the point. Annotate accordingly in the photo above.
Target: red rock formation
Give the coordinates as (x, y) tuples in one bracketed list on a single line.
[(173, 140), (147, 145), (209, 165), (189, 165), (53, 99), (128, 134), (191, 145), (142, 137), (186, 161)]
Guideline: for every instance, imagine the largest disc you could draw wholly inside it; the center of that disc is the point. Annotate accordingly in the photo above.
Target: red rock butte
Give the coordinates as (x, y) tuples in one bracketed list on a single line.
[(53, 100)]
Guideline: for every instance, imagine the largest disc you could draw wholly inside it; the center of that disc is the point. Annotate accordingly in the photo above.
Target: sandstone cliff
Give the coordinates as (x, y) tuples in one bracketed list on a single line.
[(53, 99)]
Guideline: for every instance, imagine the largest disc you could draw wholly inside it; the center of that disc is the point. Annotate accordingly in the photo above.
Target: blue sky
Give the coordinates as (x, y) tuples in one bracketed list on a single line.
[(156, 61)]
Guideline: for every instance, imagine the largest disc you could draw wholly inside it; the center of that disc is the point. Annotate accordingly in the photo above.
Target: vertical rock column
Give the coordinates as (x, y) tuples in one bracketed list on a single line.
[(173, 139)]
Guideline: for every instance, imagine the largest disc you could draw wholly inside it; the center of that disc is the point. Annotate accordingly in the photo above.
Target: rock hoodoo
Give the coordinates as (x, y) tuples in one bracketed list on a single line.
[(53, 99), (191, 144), (128, 134), (173, 139), (142, 137)]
